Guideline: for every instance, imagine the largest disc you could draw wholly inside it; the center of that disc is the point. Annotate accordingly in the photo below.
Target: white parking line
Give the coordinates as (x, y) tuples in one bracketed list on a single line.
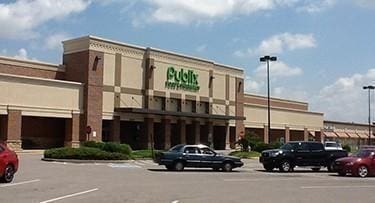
[(20, 183), (338, 187), (71, 195)]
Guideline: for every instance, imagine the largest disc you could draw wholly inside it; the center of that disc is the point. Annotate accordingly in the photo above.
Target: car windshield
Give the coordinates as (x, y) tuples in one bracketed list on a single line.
[(176, 148), (363, 153)]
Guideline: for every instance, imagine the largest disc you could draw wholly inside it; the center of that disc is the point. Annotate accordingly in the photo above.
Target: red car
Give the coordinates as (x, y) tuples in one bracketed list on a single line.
[(361, 164), (8, 164)]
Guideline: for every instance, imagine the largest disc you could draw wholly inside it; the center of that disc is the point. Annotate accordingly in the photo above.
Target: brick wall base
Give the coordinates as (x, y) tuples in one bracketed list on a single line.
[(72, 144), (15, 145)]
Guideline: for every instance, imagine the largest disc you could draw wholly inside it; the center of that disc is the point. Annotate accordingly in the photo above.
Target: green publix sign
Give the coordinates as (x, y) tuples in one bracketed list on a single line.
[(182, 79)]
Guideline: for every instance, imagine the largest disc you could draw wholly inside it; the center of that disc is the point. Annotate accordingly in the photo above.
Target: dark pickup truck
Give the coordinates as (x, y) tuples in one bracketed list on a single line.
[(309, 154)]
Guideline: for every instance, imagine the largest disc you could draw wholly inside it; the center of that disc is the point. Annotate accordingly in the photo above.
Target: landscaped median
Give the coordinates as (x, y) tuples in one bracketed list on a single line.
[(102, 151)]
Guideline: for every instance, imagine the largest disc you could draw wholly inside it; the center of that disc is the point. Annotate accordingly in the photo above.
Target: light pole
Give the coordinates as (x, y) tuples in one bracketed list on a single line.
[(369, 88), (267, 59)]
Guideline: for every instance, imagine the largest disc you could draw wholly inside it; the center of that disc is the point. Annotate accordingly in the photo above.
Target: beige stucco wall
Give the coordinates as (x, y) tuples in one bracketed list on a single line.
[(133, 73), (256, 116), (40, 97)]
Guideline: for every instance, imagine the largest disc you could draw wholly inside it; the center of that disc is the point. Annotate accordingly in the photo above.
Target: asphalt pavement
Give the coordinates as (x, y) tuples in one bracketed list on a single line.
[(144, 181)]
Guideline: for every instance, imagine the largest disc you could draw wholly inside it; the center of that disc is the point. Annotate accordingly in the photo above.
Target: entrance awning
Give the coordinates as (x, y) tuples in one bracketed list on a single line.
[(363, 135), (177, 114), (342, 135), (353, 135), (330, 134)]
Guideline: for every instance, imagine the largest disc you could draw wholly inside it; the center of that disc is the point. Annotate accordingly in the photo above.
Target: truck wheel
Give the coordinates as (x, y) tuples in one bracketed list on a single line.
[(341, 173), (330, 166), (362, 171), (285, 166), (179, 166), (268, 168)]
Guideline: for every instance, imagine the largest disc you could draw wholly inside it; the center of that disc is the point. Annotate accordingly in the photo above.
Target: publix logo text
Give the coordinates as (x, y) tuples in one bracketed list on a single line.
[(182, 79)]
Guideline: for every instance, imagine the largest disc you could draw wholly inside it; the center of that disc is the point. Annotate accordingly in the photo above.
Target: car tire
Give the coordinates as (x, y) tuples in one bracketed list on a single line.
[(316, 169), (179, 166), (362, 171), (227, 167), (8, 174), (268, 168), (285, 166)]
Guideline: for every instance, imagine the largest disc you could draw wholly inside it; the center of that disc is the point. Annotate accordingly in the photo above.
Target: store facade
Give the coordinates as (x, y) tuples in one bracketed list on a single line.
[(123, 93)]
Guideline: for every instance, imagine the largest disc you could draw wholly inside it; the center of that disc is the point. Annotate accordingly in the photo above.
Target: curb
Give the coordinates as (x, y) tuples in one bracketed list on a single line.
[(30, 152), (90, 161)]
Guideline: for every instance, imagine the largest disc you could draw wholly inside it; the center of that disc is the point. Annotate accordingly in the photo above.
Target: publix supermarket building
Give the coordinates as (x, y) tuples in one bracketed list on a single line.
[(111, 91)]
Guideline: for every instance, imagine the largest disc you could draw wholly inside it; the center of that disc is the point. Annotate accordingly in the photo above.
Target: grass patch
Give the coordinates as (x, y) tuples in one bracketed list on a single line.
[(143, 154), (245, 155)]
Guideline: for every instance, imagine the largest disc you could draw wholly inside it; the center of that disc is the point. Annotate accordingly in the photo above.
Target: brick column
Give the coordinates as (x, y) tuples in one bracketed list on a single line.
[(115, 129), (227, 136), (322, 136), (72, 130), (305, 134), (197, 132), (266, 138), (147, 139), (167, 132), (182, 131), (13, 129), (287, 134), (210, 134)]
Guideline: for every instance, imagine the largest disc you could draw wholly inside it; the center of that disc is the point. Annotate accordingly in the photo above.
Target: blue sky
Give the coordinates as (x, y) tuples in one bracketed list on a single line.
[(325, 48)]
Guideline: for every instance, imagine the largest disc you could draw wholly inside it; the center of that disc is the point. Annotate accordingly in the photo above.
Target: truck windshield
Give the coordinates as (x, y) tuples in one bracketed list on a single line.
[(288, 146)]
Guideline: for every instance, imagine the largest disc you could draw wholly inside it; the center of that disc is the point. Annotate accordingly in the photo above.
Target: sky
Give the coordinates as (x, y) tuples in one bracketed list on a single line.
[(325, 48)]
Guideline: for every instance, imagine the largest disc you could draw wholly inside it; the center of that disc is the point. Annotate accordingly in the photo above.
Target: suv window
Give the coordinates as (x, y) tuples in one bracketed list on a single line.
[(316, 146), (192, 150), (302, 146), (207, 151)]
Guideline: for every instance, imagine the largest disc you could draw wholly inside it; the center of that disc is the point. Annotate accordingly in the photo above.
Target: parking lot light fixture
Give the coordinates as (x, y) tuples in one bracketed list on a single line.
[(369, 88), (267, 59)]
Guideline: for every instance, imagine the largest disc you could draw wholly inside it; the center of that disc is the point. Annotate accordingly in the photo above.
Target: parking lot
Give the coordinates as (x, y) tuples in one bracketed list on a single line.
[(143, 181)]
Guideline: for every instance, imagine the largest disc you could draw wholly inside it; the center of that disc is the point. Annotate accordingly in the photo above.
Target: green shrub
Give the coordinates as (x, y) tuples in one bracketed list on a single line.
[(83, 153), (347, 148), (93, 144), (109, 146)]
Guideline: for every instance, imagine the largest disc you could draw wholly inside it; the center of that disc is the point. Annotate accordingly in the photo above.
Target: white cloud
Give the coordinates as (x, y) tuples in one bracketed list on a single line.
[(20, 18), (21, 54), (315, 6), (278, 70), (345, 100), (54, 41), (279, 43), (186, 12)]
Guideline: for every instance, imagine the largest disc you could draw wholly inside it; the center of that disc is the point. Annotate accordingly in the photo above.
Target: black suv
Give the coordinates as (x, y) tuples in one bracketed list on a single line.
[(293, 154), (199, 156)]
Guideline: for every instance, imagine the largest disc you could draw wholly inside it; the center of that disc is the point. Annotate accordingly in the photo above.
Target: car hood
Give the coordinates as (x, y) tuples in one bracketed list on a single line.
[(347, 159)]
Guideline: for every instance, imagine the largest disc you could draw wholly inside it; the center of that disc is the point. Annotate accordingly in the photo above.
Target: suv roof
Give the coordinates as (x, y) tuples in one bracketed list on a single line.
[(304, 142), (196, 145)]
